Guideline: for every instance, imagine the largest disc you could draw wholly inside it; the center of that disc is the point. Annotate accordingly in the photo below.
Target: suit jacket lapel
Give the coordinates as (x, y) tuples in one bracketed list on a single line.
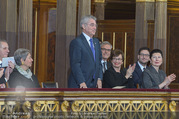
[(87, 46), (139, 71)]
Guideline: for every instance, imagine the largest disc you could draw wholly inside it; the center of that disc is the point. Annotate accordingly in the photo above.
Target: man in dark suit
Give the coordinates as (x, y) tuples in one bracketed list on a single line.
[(141, 64), (85, 57), (106, 52), (4, 51)]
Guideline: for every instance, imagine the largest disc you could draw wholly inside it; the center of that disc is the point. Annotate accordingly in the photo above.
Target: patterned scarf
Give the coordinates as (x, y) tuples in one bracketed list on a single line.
[(27, 73)]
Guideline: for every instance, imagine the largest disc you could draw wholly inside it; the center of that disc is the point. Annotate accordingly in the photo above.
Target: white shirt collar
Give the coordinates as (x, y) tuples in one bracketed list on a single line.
[(87, 38), (102, 61), (141, 66)]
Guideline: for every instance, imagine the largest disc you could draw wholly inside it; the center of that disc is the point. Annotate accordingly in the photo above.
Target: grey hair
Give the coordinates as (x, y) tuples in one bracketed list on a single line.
[(19, 54), (85, 19), (106, 43), (2, 40)]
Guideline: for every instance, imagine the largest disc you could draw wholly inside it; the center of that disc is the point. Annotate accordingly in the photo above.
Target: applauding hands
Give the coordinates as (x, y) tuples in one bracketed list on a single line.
[(130, 70), (169, 79)]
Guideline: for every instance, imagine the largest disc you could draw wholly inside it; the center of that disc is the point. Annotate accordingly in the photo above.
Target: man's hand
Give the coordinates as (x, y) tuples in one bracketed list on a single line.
[(11, 65), (83, 85), (9, 70), (1, 72), (99, 83), (2, 85)]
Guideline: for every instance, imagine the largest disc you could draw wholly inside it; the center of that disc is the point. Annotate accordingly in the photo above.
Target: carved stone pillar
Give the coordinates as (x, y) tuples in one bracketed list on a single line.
[(65, 32), (144, 12), (160, 36)]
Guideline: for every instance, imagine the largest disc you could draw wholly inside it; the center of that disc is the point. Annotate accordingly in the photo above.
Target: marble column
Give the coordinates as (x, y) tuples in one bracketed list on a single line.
[(8, 23), (84, 8), (25, 24), (65, 32), (144, 12), (160, 35)]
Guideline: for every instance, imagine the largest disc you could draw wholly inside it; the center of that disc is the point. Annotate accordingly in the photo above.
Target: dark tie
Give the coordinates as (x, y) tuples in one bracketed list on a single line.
[(92, 47), (104, 67), (143, 68)]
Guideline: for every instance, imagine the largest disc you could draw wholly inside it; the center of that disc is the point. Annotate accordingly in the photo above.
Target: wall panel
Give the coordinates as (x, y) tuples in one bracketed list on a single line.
[(121, 35)]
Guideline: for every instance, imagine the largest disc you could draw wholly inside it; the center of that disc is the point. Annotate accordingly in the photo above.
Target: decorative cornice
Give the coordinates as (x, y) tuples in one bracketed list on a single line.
[(99, 1), (161, 0), (145, 0)]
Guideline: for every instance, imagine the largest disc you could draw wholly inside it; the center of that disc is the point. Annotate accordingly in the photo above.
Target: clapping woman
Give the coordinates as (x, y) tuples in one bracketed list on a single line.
[(153, 77), (117, 75)]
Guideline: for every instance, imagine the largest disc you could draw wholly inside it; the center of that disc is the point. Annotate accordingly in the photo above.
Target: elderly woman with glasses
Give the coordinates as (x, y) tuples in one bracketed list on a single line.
[(22, 76), (116, 75), (153, 77)]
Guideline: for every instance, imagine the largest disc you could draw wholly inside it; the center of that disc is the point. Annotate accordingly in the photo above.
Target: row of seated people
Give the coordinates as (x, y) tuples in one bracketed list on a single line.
[(115, 75), (139, 74)]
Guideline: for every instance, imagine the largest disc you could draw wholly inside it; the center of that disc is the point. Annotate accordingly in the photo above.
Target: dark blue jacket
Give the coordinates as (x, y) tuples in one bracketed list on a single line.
[(137, 75), (83, 66)]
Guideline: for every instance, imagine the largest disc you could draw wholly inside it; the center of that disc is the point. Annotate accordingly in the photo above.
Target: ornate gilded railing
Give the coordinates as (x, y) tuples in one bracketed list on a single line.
[(58, 103)]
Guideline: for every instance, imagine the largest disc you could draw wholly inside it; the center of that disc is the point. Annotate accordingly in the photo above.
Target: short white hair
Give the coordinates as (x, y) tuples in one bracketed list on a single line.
[(85, 19)]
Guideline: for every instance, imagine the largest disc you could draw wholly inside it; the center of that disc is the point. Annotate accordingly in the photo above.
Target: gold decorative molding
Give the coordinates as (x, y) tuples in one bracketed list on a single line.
[(172, 106), (14, 106), (75, 106), (151, 0), (114, 40), (46, 106), (99, 1), (119, 106), (26, 106), (145, 0), (35, 42), (102, 36), (64, 106), (125, 49), (161, 0)]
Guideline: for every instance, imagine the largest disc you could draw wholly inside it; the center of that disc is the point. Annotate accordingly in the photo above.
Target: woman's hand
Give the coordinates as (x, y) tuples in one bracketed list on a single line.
[(169, 79), (130, 70)]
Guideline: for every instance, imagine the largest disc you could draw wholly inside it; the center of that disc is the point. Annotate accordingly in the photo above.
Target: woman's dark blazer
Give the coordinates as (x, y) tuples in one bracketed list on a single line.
[(112, 78)]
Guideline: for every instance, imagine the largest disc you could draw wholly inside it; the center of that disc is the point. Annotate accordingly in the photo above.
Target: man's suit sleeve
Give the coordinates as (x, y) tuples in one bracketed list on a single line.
[(100, 67), (135, 78), (2, 80), (75, 62)]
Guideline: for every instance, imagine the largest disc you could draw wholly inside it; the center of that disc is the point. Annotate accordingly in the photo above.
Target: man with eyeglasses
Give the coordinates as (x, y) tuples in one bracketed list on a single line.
[(4, 72), (85, 57), (141, 64), (106, 52)]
